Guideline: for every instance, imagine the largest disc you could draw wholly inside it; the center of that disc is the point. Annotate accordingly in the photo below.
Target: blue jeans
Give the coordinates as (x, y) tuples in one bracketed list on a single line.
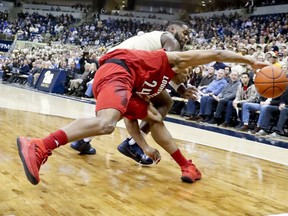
[(220, 107), (206, 105), (247, 108), (89, 91), (191, 107), (264, 116), (30, 80), (229, 111), (282, 120)]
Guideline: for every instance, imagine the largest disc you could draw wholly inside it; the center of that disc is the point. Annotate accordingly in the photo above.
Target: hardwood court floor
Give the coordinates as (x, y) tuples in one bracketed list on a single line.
[(111, 184)]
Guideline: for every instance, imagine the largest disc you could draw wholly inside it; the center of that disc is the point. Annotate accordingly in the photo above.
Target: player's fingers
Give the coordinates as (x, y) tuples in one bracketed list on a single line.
[(194, 97), (158, 160), (157, 157)]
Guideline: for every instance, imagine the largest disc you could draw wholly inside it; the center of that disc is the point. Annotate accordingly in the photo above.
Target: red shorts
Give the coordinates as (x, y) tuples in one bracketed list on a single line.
[(112, 88), (137, 108)]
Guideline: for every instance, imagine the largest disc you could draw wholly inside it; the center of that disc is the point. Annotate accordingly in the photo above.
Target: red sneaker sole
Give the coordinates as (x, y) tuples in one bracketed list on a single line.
[(29, 176)]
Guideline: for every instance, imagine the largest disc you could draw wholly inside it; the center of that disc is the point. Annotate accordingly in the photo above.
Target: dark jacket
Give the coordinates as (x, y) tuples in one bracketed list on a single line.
[(281, 99)]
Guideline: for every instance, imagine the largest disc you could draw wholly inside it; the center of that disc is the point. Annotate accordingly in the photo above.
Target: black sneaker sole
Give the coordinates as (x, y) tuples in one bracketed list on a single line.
[(187, 179), (91, 151)]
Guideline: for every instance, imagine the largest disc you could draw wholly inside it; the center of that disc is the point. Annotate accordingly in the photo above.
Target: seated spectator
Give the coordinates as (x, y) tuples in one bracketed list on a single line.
[(80, 92), (219, 65), (7, 69), (192, 105), (71, 73), (226, 95), (89, 91), (23, 69), (93, 59), (82, 61), (278, 130), (214, 88), (227, 71), (75, 83), (250, 107), (196, 77), (35, 73), (281, 59), (274, 60), (246, 92), (266, 113)]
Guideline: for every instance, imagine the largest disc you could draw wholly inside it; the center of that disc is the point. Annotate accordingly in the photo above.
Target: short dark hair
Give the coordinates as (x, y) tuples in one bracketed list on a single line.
[(178, 23), (246, 73)]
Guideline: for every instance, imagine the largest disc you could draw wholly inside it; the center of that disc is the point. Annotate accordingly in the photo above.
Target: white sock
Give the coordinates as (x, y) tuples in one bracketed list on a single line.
[(87, 139), (131, 141)]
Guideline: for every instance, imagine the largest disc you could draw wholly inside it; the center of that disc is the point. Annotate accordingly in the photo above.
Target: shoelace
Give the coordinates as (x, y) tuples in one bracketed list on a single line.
[(136, 150), (41, 156), (186, 167)]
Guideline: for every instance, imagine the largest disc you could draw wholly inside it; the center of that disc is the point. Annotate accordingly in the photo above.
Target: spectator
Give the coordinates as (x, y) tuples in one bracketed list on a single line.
[(192, 105), (75, 83), (35, 73), (250, 107), (80, 91), (266, 112), (226, 95), (274, 60), (196, 77), (82, 61), (246, 92), (214, 88), (219, 65), (278, 130), (227, 71)]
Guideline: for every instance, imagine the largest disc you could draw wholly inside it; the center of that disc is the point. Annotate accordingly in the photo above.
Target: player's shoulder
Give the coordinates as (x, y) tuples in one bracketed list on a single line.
[(168, 36)]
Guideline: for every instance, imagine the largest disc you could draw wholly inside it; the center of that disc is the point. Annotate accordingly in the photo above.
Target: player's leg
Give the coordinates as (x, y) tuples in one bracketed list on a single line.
[(83, 145), (112, 94), (162, 136), (129, 147), (34, 152)]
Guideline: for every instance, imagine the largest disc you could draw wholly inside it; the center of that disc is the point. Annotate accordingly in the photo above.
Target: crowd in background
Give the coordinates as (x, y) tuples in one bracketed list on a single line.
[(76, 50)]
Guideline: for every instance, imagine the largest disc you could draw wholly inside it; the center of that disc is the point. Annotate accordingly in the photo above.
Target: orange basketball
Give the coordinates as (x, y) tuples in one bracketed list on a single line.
[(271, 81)]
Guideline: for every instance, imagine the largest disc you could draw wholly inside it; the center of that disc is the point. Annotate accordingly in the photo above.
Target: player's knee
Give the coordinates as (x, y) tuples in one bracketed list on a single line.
[(107, 127)]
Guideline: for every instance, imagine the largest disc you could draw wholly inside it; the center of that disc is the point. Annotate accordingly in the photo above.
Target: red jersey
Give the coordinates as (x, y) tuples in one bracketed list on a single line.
[(150, 70)]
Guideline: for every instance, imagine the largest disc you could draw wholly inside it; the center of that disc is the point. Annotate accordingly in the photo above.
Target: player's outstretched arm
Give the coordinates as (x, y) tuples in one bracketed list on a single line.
[(181, 60)]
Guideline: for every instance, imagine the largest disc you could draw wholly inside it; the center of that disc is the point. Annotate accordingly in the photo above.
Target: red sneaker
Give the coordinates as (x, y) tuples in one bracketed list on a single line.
[(190, 173), (33, 154)]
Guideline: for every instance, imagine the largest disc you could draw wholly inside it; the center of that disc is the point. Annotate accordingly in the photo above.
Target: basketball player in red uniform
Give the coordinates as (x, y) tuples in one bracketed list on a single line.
[(124, 73), (173, 39)]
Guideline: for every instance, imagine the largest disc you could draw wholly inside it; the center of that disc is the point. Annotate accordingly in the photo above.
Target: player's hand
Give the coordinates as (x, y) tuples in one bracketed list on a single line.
[(191, 93), (154, 154)]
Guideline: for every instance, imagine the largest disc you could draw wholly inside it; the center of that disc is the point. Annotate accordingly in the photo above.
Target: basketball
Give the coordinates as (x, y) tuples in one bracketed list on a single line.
[(271, 82)]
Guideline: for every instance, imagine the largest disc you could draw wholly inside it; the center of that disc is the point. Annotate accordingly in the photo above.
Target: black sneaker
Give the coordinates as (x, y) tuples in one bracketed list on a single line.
[(83, 147), (134, 152), (212, 121)]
